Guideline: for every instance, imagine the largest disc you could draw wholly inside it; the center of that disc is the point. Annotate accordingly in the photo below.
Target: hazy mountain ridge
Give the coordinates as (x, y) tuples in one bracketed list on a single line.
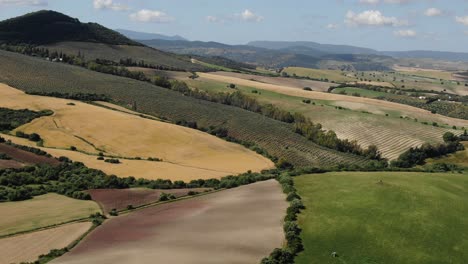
[(136, 35)]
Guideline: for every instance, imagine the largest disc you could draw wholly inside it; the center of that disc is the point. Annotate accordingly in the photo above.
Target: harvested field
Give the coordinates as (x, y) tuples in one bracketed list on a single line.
[(119, 199), (138, 168), (126, 135), (41, 211), (28, 247), (332, 75), (287, 82), (240, 225), (26, 157)]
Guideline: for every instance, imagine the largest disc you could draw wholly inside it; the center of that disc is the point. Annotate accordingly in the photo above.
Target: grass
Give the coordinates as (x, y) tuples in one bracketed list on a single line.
[(41, 211), (332, 75), (408, 218), (28, 73)]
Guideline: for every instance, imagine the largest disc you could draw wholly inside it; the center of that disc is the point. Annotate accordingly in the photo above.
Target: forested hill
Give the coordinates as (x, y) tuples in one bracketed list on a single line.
[(45, 27)]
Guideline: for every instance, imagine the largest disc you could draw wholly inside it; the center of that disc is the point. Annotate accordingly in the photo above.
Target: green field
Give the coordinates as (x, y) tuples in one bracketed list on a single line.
[(277, 138), (41, 211), (332, 75), (361, 92), (406, 218)]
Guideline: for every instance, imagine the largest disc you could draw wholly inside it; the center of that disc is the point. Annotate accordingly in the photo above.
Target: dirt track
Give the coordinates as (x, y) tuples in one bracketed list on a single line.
[(240, 225)]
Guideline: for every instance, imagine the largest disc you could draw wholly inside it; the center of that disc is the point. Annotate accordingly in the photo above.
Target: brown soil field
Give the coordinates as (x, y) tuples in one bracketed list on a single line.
[(287, 82), (26, 157), (28, 247), (10, 164), (115, 133), (414, 112), (240, 225), (119, 199)]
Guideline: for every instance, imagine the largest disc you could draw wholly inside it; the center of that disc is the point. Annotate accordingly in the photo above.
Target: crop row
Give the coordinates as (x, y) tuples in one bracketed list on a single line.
[(277, 138)]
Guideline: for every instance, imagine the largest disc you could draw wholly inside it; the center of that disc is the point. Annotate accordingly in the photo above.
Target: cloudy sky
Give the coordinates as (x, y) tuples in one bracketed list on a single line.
[(379, 24)]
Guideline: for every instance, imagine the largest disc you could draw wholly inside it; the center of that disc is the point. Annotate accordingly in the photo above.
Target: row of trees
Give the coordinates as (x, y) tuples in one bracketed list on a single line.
[(11, 119), (86, 97)]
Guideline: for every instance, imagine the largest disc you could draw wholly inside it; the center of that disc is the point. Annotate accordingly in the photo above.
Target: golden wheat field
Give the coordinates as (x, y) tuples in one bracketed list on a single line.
[(186, 153)]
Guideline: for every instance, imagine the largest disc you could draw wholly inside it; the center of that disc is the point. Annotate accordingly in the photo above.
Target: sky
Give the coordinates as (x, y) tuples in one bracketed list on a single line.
[(379, 24)]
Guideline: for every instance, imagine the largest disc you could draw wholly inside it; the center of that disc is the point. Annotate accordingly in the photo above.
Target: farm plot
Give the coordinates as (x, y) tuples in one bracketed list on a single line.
[(383, 217), (25, 157), (126, 135), (119, 199), (331, 75), (41, 211), (240, 225), (459, 158), (28, 247), (287, 82), (391, 134), (32, 74)]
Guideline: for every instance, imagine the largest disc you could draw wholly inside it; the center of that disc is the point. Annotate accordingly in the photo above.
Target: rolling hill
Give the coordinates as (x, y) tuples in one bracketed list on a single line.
[(277, 138), (61, 33)]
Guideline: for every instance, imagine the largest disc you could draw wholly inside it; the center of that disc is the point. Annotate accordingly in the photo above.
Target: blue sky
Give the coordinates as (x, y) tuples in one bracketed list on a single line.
[(378, 24)]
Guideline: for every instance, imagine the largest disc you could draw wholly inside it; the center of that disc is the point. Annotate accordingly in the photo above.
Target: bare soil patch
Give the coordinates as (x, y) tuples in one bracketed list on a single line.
[(119, 199), (240, 225), (26, 157)]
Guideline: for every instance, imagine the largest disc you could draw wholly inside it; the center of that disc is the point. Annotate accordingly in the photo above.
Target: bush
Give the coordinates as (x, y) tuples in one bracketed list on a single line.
[(114, 212), (112, 161), (307, 89)]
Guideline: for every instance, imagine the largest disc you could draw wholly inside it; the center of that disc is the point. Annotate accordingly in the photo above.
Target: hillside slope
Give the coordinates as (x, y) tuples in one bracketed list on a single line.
[(277, 138), (44, 27)]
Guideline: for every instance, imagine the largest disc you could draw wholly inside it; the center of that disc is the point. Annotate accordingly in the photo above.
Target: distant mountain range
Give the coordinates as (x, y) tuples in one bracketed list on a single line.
[(147, 36)]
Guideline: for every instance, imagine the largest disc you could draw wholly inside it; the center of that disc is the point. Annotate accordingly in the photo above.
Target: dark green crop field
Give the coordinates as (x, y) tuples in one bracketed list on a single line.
[(277, 138), (384, 218)]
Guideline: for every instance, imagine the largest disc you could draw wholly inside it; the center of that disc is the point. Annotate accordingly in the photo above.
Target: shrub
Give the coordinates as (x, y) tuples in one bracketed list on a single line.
[(114, 212), (307, 89)]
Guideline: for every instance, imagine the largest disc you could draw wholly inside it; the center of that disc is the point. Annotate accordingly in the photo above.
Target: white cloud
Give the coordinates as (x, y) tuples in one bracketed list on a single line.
[(462, 20), (109, 4), (214, 19), (430, 12), (249, 16), (332, 26), (397, 1), (369, 2), (372, 18), (154, 16), (466, 32), (407, 33), (23, 2)]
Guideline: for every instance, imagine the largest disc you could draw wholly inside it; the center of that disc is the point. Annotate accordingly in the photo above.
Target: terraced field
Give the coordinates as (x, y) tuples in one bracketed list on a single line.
[(28, 247), (28, 74)]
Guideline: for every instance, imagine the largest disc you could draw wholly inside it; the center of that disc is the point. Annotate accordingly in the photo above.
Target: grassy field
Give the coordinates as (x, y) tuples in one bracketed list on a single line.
[(362, 119), (361, 92), (240, 225), (28, 247), (406, 218), (41, 211), (120, 134), (459, 158), (332, 75), (28, 73)]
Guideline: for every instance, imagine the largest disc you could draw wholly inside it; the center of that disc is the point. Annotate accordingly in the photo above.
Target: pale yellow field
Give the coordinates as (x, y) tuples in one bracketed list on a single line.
[(41, 211), (358, 103), (28, 247), (384, 84), (92, 129), (431, 73)]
